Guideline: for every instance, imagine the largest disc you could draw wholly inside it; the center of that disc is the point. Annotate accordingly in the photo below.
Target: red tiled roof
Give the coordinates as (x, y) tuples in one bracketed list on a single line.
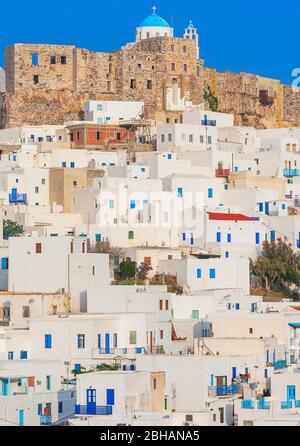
[(235, 217), (295, 308)]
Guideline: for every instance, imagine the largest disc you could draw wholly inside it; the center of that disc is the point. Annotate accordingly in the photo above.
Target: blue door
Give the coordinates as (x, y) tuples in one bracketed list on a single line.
[(91, 401), (107, 343), (14, 195), (290, 393), (233, 372), (267, 208), (110, 397), (4, 387), (21, 417)]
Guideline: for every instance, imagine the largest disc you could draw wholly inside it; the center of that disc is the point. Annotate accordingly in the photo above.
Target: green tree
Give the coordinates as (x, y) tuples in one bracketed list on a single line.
[(127, 269), (11, 229), (277, 268), (212, 100)]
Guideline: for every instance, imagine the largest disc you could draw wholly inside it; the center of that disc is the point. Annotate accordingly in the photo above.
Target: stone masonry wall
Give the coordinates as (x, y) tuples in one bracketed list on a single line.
[(54, 89)]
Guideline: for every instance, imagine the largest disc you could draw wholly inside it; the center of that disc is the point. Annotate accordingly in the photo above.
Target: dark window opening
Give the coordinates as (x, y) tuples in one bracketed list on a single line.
[(63, 60), (53, 60), (35, 79), (133, 84)]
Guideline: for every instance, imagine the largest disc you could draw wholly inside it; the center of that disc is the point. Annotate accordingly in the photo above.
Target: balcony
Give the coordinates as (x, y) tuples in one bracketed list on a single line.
[(247, 404), (97, 410), (17, 198), (260, 404), (4, 322), (278, 365), (291, 172), (222, 172), (224, 390), (295, 342), (132, 351), (286, 404), (45, 420)]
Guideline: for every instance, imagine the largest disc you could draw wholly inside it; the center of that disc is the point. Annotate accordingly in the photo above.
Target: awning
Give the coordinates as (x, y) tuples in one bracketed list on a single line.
[(294, 324)]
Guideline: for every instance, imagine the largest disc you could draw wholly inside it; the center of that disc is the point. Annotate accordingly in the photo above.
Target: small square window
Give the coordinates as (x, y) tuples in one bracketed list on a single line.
[(63, 60)]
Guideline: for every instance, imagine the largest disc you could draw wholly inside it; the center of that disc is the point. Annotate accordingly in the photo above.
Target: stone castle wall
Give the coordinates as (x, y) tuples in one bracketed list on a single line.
[(50, 83)]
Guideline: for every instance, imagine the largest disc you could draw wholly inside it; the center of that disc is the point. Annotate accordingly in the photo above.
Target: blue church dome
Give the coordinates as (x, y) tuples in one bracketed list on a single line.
[(154, 20)]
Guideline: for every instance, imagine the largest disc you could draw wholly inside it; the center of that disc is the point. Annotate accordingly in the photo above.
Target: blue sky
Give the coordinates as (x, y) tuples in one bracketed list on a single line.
[(257, 36)]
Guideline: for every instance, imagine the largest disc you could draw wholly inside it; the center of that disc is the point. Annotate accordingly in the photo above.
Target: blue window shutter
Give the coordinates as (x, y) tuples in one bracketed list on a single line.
[(233, 372), (99, 341), (257, 238), (183, 236), (261, 207), (210, 193), (98, 237), (237, 306), (272, 236), (64, 164), (169, 156), (23, 354), (48, 341), (180, 192), (212, 273), (40, 409), (228, 238), (218, 237), (107, 343), (72, 164), (226, 254), (77, 367), (110, 397), (198, 273), (211, 380), (132, 204)]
